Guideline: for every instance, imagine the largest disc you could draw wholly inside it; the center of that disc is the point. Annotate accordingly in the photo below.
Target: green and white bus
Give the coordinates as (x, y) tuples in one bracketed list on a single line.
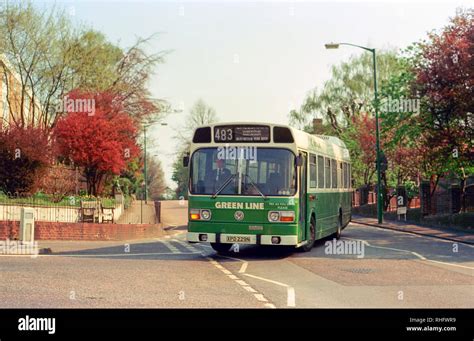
[(266, 184)]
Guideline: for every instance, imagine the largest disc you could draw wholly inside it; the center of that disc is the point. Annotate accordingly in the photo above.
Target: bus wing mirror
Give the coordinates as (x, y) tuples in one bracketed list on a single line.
[(185, 161), (299, 161)]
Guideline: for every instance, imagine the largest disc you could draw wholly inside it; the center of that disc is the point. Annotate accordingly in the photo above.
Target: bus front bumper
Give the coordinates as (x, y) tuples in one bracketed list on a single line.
[(197, 237)]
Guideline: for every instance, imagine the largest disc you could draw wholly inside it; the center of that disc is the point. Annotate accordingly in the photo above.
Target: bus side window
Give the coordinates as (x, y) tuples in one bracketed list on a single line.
[(349, 175), (334, 173), (340, 182), (344, 175), (320, 171), (312, 171), (327, 172)]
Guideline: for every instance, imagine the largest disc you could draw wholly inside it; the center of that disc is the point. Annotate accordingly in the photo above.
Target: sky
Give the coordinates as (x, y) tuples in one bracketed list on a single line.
[(251, 61)]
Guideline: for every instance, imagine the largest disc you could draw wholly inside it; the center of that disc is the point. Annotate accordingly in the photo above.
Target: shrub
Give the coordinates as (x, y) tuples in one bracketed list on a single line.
[(25, 153)]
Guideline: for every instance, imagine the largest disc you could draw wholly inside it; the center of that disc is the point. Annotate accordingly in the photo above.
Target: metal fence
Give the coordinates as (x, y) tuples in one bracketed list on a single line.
[(118, 210)]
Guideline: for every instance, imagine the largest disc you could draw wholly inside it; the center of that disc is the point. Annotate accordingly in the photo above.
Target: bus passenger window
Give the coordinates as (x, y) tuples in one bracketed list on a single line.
[(334, 173), (327, 172), (312, 171), (344, 174), (340, 182), (320, 172)]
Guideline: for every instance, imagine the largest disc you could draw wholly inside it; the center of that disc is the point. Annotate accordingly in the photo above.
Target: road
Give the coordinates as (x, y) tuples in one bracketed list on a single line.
[(397, 270)]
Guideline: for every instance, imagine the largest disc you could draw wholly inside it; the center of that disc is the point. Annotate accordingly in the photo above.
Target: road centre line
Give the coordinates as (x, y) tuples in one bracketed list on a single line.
[(243, 284), (290, 291)]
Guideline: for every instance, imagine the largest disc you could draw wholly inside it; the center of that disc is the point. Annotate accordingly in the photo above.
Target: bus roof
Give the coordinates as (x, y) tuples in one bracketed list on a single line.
[(322, 144)]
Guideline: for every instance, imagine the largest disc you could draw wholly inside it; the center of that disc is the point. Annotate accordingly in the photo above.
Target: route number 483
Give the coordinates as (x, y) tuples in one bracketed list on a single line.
[(223, 135)]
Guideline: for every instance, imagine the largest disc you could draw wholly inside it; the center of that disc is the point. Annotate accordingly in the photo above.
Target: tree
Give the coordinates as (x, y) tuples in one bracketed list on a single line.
[(444, 80), (103, 143), (360, 140), (58, 181), (200, 114), (345, 103), (180, 176), (36, 46), (52, 58), (156, 179), (348, 93), (23, 160), (438, 71)]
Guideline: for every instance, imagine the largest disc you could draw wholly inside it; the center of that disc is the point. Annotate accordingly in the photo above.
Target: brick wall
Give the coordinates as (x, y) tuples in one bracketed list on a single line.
[(82, 231)]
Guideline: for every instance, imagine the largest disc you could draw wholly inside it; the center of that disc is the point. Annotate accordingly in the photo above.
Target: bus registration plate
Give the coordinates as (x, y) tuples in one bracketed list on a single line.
[(238, 239)]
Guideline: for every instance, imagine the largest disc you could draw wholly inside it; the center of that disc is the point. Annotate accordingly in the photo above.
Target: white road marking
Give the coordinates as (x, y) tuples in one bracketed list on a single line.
[(243, 268), (388, 230), (243, 283), (125, 254), (458, 265), (249, 289), (185, 245), (416, 254), (291, 297), (268, 280), (237, 280), (290, 291), (260, 297), (170, 246)]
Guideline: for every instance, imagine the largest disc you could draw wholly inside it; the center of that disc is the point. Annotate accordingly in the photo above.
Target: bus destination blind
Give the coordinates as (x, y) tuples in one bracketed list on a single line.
[(241, 134)]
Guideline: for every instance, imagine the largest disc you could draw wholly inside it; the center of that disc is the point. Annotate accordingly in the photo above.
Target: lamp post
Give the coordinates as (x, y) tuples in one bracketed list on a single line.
[(145, 126), (377, 135)]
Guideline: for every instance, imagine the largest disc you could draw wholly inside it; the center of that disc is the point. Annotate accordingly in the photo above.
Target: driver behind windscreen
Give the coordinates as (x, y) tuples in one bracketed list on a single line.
[(218, 176)]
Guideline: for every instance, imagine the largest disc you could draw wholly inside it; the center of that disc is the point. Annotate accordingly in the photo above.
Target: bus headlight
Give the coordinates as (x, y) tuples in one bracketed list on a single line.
[(205, 214), (196, 214), (273, 216)]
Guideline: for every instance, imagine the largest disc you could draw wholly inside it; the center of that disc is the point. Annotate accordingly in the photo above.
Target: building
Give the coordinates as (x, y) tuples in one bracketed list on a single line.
[(11, 108)]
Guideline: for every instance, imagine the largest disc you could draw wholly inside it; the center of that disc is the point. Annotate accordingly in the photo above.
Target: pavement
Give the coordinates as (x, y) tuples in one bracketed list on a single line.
[(391, 269), (447, 234), (139, 212)]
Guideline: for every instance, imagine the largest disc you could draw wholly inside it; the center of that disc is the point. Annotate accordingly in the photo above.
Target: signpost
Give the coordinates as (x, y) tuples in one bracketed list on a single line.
[(401, 202)]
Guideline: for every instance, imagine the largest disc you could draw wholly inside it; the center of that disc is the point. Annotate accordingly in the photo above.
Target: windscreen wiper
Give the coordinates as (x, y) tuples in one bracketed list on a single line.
[(255, 186), (224, 185)]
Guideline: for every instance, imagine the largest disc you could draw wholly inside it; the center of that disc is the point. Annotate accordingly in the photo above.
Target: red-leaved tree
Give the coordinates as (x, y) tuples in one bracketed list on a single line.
[(101, 141), (445, 81), (25, 154)]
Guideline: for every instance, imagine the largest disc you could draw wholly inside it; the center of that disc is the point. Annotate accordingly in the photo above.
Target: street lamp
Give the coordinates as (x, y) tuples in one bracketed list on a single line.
[(377, 136), (145, 126)]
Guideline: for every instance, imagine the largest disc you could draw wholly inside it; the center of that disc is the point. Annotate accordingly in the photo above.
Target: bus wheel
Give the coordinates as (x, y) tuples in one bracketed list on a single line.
[(339, 227), (312, 232), (221, 248)]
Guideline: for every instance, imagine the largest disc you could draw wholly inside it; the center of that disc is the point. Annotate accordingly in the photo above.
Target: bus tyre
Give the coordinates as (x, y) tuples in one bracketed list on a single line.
[(221, 248), (339, 227), (312, 236)]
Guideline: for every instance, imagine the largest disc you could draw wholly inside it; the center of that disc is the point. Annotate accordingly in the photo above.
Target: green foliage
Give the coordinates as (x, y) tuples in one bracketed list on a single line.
[(412, 189), (348, 93), (180, 176)]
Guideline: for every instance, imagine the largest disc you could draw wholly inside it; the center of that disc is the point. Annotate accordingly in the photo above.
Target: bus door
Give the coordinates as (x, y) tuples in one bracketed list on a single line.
[(302, 196)]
